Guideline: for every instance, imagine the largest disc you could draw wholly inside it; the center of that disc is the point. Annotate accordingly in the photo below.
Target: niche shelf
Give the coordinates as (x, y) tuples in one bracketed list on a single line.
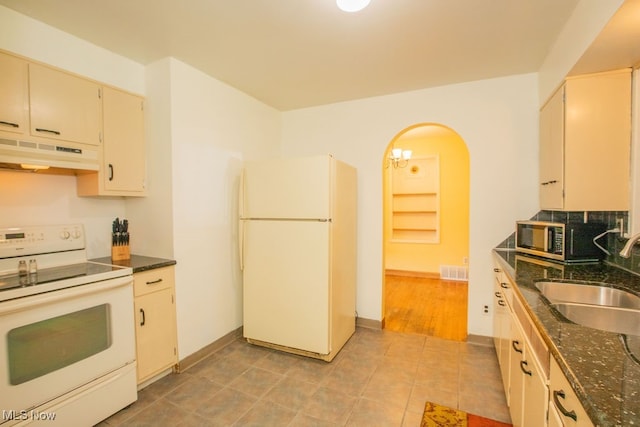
[(416, 201)]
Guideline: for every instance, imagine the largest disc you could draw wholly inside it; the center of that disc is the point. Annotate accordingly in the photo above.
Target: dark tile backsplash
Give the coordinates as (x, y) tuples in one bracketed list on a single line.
[(612, 241)]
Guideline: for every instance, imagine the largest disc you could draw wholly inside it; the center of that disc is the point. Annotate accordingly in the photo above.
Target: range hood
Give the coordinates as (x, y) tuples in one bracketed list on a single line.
[(32, 156)]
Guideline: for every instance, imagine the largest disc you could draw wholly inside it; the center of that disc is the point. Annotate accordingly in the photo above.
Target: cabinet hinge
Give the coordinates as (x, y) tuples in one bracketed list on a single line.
[(172, 302), (141, 105), (99, 93), (175, 351), (100, 137)]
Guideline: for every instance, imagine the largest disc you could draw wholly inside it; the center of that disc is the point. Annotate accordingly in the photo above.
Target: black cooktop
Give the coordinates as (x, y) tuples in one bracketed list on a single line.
[(48, 275)]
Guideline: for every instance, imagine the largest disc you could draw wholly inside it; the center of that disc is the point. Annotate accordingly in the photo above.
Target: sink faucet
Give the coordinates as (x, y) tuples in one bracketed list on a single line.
[(626, 251)]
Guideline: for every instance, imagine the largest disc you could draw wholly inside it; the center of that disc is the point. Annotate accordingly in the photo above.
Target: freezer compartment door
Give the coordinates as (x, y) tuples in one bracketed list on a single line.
[(286, 284), (287, 188)]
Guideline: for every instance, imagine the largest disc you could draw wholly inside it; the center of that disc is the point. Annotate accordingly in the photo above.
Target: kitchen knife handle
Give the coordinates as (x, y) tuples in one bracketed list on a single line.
[(143, 321), (110, 172)]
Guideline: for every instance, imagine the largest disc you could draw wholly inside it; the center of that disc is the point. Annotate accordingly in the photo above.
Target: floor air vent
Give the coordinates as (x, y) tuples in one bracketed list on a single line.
[(454, 272)]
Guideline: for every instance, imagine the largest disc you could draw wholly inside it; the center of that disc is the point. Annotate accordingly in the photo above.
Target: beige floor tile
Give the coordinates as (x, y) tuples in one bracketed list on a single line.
[(380, 378), (291, 393), (267, 414), (369, 413), (193, 393), (226, 407), (330, 405), (255, 381)]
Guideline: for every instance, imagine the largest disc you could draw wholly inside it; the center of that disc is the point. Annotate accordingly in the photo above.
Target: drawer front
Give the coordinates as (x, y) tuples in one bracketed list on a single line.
[(149, 281)]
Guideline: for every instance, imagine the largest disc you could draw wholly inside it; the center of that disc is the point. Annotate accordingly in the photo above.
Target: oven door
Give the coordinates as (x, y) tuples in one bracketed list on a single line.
[(56, 342)]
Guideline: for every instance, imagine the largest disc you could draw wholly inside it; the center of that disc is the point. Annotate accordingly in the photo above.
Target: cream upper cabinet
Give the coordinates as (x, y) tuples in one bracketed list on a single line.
[(14, 102), (123, 168), (63, 106), (585, 134)]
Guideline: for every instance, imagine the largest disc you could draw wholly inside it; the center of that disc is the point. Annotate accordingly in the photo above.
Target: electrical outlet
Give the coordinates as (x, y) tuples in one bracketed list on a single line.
[(485, 309), (465, 260), (620, 225)]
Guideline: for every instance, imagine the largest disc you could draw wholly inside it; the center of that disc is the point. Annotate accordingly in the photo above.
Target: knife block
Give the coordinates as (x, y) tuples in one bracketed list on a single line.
[(119, 253)]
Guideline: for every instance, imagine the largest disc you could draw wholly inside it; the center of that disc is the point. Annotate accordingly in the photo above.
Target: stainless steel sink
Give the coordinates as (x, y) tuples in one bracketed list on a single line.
[(595, 306), (557, 292), (606, 318)]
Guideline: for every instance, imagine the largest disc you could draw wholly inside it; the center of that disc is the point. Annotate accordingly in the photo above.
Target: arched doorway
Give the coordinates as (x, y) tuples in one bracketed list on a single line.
[(426, 233)]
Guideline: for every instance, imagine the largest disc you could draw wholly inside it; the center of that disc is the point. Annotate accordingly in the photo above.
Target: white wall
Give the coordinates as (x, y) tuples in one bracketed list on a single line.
[(26, 36), (585, 23), (498, 120), (213, 128)]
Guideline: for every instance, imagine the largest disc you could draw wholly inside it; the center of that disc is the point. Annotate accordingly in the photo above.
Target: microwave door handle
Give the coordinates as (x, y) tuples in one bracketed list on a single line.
[(571, 241)]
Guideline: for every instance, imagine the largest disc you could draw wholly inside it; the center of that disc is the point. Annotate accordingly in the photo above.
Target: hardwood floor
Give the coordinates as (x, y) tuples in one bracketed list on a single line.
[(426, 306)]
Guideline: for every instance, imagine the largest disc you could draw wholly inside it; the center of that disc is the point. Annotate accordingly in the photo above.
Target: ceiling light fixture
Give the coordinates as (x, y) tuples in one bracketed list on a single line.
[(352, 5)]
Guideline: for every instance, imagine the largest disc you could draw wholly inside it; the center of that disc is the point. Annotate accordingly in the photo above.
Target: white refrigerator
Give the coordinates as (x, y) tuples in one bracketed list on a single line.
[(297, 233)]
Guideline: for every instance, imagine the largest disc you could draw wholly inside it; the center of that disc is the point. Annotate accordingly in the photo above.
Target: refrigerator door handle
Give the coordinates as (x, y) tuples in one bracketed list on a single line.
[(241, 221)]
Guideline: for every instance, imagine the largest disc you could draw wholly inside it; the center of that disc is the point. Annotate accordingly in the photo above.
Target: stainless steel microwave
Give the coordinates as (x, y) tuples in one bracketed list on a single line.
[(570, 242)]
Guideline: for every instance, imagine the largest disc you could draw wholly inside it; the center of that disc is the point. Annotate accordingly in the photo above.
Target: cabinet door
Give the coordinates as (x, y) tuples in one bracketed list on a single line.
[(516, 380), (536, 393), (124, 145), (64, 107), (155, 333), (552, 152), (598, 141), (14, 102)]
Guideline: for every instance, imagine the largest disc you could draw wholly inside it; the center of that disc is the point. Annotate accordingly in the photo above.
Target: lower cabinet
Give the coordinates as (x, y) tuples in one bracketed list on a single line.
[(155, 314), (565, 409), (537, 391), (524, 366)]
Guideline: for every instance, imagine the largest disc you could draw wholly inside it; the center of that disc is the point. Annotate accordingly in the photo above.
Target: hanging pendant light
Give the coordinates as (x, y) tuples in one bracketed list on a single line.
[(352, 5)]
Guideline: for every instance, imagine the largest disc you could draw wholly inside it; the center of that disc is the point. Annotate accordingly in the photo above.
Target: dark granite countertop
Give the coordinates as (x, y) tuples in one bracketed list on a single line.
[(138, 262), (598, 364)]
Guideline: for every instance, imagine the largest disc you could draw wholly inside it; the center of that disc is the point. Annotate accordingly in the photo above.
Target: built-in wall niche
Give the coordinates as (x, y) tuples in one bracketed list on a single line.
[(415, 191)]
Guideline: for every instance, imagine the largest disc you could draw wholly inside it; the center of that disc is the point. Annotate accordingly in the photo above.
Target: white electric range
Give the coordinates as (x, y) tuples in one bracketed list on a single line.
[(67, 352)]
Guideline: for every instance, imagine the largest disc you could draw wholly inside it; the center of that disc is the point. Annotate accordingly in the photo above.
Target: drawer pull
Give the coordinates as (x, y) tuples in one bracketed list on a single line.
[(513, 344), (143, 321), (496, 270), (153, 282), (570, 414), (523, 367), (504, 285), (501, 303), (498, 294)]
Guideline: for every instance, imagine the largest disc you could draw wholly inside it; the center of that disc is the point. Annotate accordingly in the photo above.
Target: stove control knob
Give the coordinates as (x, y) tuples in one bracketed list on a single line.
[(76, 234), (64, 235)]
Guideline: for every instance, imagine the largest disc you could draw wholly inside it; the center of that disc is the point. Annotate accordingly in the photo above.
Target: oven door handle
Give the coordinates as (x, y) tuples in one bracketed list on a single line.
[(27, 303)]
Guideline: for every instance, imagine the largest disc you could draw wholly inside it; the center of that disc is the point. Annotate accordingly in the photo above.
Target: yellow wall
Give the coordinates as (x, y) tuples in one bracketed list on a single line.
[(453, 248)]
